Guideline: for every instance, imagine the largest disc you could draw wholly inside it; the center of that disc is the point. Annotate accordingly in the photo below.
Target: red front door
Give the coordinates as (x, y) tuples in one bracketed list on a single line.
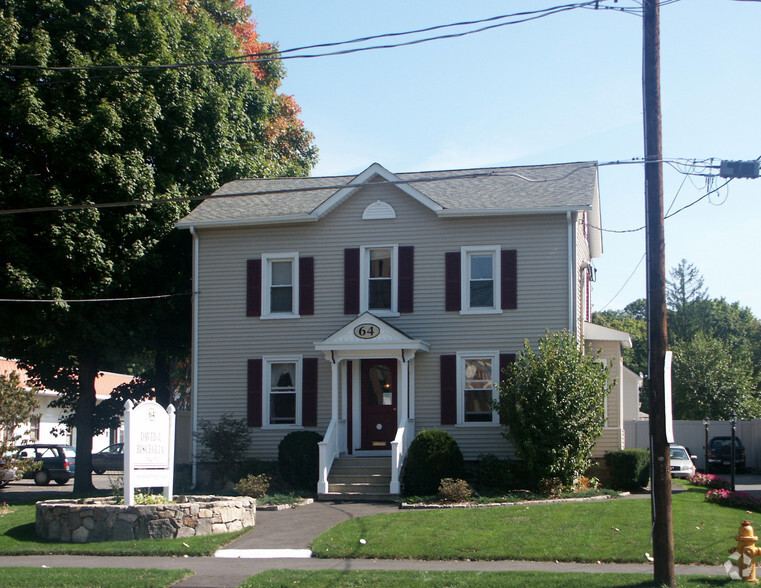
[(379, 420)]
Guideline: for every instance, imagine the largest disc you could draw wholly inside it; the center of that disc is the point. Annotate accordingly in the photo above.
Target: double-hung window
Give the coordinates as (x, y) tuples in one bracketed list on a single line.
[(477, 379), (282, 391), (280, 280), (379, 279), (481, 279)]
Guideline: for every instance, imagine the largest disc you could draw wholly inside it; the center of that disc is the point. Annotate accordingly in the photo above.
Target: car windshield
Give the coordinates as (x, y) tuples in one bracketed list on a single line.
[(679, 453)]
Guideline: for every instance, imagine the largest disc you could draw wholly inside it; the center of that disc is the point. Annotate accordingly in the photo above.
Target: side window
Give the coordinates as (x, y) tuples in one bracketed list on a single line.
[(480, 279), (477, 379), (280, 283), (282, 391)]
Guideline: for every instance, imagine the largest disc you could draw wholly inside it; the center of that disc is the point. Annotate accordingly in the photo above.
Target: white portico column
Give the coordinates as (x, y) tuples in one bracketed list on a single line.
[(405, 389), (334, 390)]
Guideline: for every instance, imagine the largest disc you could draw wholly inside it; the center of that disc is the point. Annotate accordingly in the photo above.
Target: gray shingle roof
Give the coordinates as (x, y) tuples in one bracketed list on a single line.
[(555, 187)]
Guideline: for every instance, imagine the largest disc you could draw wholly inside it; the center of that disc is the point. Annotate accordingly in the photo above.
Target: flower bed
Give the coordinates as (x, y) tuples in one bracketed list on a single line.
[(100, 519), (708, 481), (735, 499)]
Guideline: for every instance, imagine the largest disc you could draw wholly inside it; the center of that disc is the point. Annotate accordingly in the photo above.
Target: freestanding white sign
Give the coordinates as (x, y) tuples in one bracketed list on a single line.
[(148, 448)]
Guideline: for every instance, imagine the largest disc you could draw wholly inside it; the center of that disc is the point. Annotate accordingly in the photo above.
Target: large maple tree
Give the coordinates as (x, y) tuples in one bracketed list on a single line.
[(97, 135)]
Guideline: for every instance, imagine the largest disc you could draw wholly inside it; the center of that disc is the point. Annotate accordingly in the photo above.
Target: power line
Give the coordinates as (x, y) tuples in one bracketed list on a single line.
[(75, 300), (264, 57)]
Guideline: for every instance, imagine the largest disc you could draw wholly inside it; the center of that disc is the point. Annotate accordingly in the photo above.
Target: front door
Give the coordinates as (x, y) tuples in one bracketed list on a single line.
[(379, 420)]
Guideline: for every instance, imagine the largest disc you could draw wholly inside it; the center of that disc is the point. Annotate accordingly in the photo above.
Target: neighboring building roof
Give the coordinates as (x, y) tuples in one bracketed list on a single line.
[(593, 332), (104, 383), (536, 189)]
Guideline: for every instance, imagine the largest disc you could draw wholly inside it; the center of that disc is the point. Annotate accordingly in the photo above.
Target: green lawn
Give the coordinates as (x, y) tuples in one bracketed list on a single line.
[(411, 579), (89, 578), (17, 537), (606, 531)]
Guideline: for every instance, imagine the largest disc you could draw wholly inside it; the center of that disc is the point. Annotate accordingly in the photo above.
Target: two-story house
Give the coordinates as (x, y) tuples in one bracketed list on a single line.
[(371, 307)]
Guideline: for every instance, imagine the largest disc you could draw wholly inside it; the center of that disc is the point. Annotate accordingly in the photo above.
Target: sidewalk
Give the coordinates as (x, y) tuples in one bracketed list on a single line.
[(294, 530)]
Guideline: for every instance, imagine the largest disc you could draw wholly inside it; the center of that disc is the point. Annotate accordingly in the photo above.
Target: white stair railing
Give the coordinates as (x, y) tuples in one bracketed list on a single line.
[(328, 452), (399, 447)]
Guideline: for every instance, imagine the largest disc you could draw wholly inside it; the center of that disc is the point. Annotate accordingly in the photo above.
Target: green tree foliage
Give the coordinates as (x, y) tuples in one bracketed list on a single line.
[(17, 405), (712, 380), (713, 341), (95, 136), (553, 403)]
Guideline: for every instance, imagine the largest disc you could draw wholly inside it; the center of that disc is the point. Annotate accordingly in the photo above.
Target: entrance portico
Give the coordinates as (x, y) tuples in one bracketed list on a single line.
[(372, 394)]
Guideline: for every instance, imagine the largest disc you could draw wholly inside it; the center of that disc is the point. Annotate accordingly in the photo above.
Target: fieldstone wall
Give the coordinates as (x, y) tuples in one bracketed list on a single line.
[(99, 519)]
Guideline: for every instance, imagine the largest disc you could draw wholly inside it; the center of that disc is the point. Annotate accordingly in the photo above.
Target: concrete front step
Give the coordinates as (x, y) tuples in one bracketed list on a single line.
[(359, 479)]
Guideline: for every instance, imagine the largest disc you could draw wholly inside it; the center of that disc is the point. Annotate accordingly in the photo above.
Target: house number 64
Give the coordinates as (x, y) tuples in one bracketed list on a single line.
[(366, 331)]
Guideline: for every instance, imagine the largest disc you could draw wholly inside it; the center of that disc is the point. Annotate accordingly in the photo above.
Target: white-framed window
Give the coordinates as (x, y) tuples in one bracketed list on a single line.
[(281, 391), (280, 285), (379, 278), (481, 280), (477, 379)]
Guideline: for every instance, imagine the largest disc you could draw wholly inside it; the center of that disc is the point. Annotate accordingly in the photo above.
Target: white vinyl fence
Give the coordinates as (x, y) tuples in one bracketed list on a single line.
[(691, 434)]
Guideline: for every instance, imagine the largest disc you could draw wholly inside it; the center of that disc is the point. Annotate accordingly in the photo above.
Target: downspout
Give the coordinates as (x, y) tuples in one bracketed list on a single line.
[(194, 357), (571, 272)]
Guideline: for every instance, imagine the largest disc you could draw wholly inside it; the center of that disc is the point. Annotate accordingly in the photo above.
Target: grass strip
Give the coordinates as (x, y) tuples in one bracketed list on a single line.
[(90, 578), (607, 531), (410, 579), (17, 537)]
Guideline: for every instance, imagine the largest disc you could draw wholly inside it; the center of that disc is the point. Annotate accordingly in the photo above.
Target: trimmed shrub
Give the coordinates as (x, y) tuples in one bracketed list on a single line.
[(253, 486), (629, 468), (432, 456), (299, 459), (494, 473), (455, 490)]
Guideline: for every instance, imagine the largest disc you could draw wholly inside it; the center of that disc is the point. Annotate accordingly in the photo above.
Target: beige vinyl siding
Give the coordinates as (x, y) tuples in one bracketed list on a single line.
[(613, 435), (227, 338)]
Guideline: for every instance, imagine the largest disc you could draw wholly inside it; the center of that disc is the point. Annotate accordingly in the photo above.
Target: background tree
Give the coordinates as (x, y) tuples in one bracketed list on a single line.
[(17, 405), (553, 403), (94, 136), (711, 380), (683, 291)]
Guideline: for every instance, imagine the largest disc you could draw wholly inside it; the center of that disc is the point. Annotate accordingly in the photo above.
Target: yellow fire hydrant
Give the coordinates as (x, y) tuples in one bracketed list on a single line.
[(747, 550)]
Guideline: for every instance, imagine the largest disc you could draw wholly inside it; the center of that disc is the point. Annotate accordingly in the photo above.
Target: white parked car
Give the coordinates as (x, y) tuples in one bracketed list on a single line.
[(682, 464)]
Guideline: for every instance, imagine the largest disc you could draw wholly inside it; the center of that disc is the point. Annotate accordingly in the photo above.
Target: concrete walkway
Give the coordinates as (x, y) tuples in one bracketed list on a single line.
[(294, 530)]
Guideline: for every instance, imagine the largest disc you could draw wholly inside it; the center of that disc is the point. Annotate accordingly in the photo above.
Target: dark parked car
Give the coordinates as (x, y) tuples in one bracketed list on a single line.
[(110, 458), (57, 462), (720, 453)]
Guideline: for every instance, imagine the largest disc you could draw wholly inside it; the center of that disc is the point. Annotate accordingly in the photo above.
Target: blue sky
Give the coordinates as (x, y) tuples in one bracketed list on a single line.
[(563, 88)]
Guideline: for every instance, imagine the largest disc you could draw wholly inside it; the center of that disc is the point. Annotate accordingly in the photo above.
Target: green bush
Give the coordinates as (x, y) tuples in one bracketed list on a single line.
[(494, 473), (432, 456), (253, 486), (299, 459), (222, 447), (629, 468)]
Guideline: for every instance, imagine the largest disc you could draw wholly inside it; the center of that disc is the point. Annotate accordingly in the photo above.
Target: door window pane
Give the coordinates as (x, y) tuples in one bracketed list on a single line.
[(380, 391)]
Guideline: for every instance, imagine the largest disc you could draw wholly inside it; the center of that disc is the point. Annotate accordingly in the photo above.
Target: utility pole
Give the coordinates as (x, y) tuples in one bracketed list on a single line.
[(660, 482)]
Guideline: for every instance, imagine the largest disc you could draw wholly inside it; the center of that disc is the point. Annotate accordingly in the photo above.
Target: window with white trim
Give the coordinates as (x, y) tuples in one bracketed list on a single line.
[(477, 379), (281, 391), (378, 268), (481, 279), (280, 285)]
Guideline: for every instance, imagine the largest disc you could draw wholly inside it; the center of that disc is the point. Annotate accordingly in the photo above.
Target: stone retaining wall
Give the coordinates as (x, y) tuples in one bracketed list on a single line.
[(99, 519)]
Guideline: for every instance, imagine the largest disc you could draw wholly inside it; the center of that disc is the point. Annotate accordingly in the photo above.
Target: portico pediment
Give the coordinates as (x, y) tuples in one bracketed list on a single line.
[(368, 333)]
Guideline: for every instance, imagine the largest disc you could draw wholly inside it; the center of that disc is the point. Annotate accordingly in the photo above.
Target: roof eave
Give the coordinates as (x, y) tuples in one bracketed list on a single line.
[(246, 222), (466, 212)]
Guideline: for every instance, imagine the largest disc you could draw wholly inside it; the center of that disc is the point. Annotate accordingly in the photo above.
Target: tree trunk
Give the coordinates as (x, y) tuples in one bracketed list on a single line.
[(162, 378), (84, 423)]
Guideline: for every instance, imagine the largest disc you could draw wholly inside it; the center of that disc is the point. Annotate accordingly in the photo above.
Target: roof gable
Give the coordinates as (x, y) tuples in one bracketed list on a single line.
[(369, 332)]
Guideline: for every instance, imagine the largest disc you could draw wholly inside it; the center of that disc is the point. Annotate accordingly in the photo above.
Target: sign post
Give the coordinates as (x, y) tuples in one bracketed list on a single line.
[(148, 448)]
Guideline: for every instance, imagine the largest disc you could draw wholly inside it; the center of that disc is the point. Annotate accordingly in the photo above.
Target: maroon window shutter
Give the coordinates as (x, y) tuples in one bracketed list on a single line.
[(406, 281), (504, 360), (448, 370), (309, 392), (306, 285), (509, 271), (254, 287), (254, 396), (452, 292), (351, 281)]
